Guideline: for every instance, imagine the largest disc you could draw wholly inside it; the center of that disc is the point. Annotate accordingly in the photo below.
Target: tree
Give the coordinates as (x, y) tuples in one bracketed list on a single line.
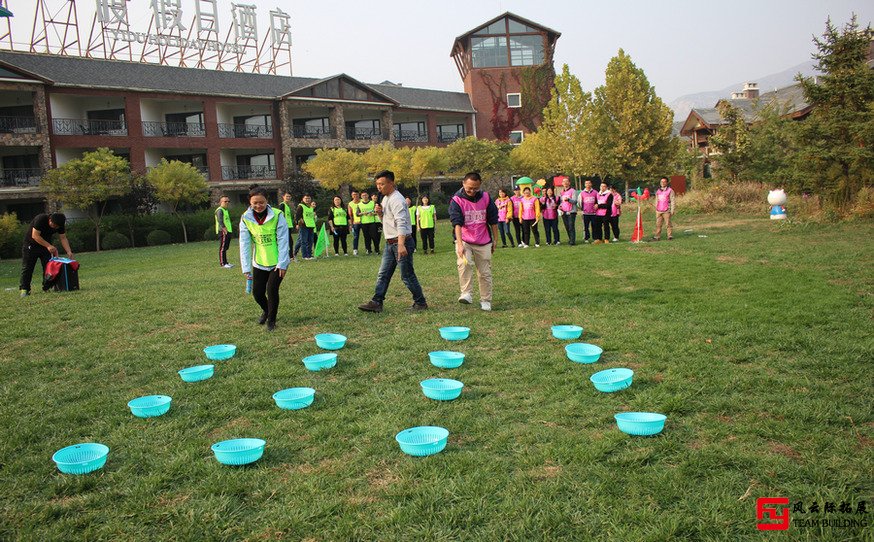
[(731, 141), (178, 184), (427, 161), (482, 155), (537, 155), (630, 129), (401, 164), (836, 139), (772, 148), (88, 183), (140, 200), (378, 158), (335, 167)]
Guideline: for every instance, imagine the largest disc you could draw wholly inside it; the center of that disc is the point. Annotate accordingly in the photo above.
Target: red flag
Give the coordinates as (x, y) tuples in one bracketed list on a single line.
[(637, 236)]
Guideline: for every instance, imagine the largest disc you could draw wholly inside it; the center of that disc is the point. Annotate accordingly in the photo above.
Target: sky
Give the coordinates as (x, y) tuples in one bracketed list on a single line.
[(683, 46)]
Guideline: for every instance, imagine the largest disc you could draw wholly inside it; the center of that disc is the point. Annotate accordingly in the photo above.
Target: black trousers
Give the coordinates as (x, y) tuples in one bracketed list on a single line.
[(427, 238), (30, 254), (517, 225), (527, 227), (290, 243), (340, 237), (224, 243), (612, 223), (415, 243), (265, 290), (601, 228), (550, 225), (371, 241), (589, 223), (570, 226)]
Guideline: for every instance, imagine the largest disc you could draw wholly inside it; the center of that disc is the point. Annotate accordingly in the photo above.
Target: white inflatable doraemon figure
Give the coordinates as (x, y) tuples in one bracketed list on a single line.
[(777, 200)]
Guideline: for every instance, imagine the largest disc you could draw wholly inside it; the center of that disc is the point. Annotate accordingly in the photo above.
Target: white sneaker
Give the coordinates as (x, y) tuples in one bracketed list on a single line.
[(558, 242), (521, 245), (355, 252), (485, 305), (346, 254), (536, 245), (615, 239), (465, 298), (228, 265)]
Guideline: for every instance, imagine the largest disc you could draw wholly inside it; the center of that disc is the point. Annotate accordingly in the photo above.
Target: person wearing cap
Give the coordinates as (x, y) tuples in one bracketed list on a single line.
[(398, 246), (38, 246), (474, 216)]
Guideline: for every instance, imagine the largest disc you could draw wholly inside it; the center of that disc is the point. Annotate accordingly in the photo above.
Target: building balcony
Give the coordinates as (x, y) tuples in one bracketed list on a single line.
[(18, 125), (450, 137), (232, 173), (244, 131), (173, 129), (313, 132), (20, 177), (411, 136), (79, 127), (365, 134)]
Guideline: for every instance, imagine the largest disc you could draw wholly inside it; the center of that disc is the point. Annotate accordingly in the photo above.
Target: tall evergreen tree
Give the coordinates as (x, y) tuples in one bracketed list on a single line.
[(731, 142)]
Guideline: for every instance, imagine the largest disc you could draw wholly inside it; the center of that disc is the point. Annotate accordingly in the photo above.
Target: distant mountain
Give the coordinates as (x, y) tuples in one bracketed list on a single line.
[(768, 83)]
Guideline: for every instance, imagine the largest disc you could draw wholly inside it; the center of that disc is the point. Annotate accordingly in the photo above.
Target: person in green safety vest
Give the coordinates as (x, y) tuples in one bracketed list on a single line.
[(355, 220), (412, 220), (223, 229), (305, 218), (368, 220), (338, 221), (427, 219), (263, 258), (287, 209)]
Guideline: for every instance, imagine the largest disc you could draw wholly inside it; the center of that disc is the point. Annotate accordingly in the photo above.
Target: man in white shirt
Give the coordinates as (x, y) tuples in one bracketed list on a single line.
[(399, 244)]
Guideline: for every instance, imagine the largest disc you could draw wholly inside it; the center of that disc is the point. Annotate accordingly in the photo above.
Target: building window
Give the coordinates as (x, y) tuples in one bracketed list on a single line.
[(489, 52), (352, 92), (518, 28), (514, 100), (497, 27), (516, 137), (526, 50)]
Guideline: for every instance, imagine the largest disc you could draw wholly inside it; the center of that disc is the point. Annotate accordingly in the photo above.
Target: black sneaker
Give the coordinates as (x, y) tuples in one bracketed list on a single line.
[(371, 306), (271, 326), (262, 319), (419, 307)]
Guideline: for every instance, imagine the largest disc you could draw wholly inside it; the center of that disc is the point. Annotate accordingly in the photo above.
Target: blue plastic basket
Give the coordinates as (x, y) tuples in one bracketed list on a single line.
[(445, 359), (455, 333), (422, 441), (567, 333), (640, 423), (612, 379), (220, 352), (441, 389), (583, 352), (197, 373), (149, 406), (81, 458), (330, 341), (241, 451), (294, 398), (317, 362)]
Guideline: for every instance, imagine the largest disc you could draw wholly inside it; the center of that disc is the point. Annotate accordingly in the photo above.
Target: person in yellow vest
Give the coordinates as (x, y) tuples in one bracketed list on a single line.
[(338, 221), (368, 220), (263, 258), (223, 229), (305, 218), (287, 209), (412, 220), (426, 215), (377, 234), (355, 220)]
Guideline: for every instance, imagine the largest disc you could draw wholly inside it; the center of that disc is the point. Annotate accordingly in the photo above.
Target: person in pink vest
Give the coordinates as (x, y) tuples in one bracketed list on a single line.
[(588, 203), (567, 210), (615, 212), (516, 198), (474, 216), (602, 215), (530, 211), (505, 216), (664, 209), (549, 208)]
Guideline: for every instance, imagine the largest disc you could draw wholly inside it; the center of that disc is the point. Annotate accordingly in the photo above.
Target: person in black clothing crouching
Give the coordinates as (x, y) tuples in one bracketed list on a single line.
[(38, 246)]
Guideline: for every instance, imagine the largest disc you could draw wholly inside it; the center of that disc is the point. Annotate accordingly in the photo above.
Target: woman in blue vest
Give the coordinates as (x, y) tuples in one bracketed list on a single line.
[(262, 232)]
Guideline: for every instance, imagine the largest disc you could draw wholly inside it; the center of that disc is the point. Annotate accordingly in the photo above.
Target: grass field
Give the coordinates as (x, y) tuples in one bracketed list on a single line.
[(755, 341)]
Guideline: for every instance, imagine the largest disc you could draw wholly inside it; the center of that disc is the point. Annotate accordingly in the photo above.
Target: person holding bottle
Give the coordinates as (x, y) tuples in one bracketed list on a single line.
[(263, 257)]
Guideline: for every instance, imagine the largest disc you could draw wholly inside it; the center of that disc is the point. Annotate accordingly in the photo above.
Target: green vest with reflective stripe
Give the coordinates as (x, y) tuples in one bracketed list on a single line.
[(309, 215), (264, 243), (367, 208), (226, 218), (289, 215), (340, 217), (413, 215), (426, 216)]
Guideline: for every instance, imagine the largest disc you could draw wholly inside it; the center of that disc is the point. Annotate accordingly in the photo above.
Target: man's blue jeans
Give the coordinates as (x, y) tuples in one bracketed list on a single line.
[(408, 274), (356, 232), (305, 242)]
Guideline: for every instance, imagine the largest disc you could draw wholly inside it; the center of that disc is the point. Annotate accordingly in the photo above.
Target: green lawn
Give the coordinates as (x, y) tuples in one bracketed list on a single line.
[(755, 341)]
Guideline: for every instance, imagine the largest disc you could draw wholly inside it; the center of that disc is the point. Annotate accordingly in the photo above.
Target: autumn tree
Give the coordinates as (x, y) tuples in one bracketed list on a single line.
[(731, 141), (483, 155), (333, 168), (178, 185)]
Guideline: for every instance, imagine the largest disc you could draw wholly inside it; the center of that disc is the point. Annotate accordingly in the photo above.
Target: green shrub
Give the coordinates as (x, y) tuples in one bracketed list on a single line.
[(10, 235), (158, 237), (114, 241), (209, 234)]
